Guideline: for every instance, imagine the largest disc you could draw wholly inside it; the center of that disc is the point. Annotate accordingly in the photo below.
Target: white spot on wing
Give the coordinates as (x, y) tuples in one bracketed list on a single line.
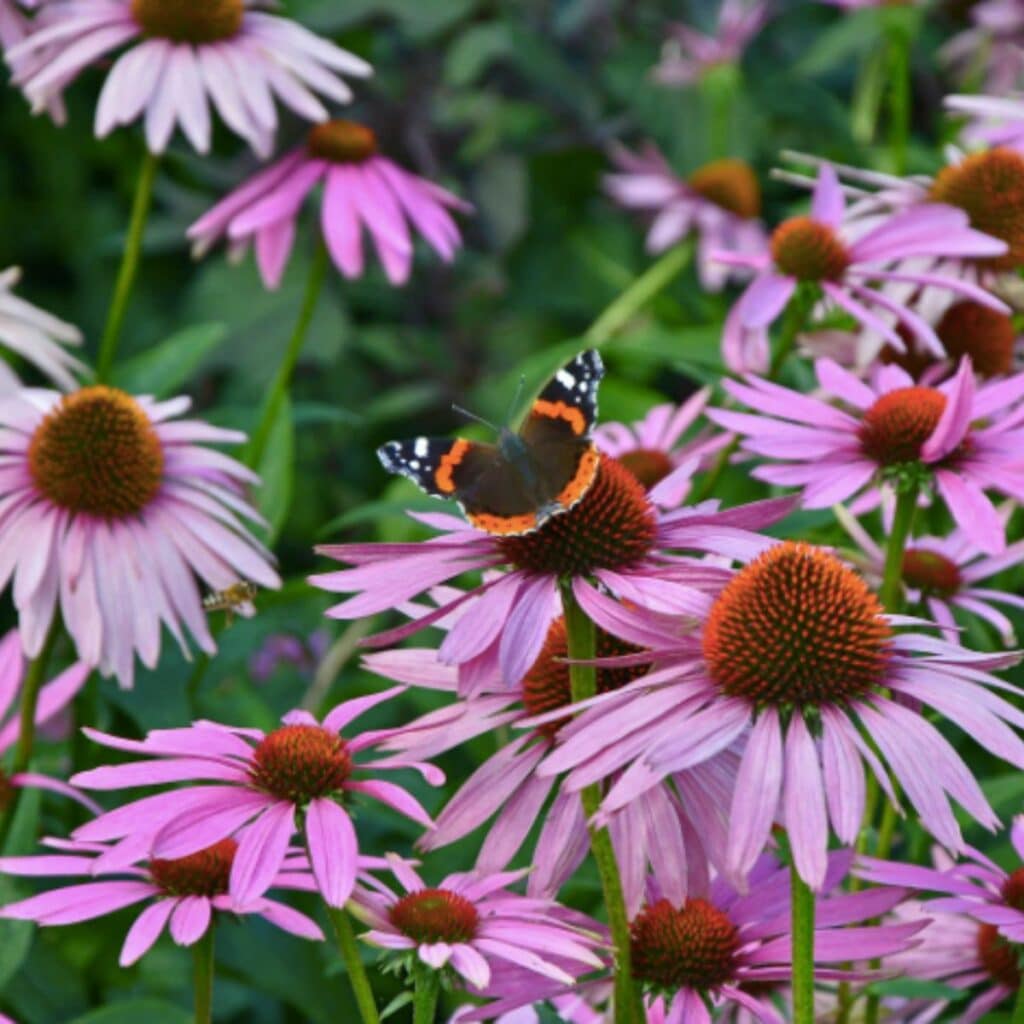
[(421, 448), (566, 379)]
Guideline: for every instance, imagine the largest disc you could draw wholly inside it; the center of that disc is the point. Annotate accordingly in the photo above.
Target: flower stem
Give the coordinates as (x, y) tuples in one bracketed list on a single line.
[(891, 592), (357, 976), (582, 646), (202, 973), (803, 949), (643, 290), (900, 96), (1018, 1007), (283, 379), (426, 992), (129, 268)]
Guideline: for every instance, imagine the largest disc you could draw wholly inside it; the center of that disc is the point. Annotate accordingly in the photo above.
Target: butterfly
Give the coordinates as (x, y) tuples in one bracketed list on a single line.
[(540, 470)]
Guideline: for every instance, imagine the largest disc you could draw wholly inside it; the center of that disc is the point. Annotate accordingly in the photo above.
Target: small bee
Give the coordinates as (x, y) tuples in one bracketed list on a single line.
[(234, 600)]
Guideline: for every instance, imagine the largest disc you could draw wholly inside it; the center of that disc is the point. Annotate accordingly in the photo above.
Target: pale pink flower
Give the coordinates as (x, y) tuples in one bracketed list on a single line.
[(362, 190), (111, 507), (181, 57), (994, 120), (15, 26)]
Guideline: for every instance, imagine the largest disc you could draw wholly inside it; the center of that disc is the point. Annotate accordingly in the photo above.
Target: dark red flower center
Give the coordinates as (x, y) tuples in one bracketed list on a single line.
[(189, 21), (730, 184), (205, 873), (796, 627), (692, 946), (998, 956), (96, 452), (809, 250), (342, 142), (986, 335), (989, 188), (895, 428), (649, 465), (435, 915), (300, 762), (930, 572), (1013, 889), (611, 527)]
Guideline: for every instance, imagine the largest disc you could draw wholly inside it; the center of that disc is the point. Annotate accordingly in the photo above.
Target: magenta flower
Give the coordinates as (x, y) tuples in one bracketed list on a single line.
[(965, 437), (362, 190), (688, 54), (183, 57), (794, 641), (112, 507), (183, 894), (298, 777), (819, 251), (470, 921), (720, 203)]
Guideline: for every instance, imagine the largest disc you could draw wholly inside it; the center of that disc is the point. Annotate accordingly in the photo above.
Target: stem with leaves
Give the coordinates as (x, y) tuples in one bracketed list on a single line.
[(427, 989)]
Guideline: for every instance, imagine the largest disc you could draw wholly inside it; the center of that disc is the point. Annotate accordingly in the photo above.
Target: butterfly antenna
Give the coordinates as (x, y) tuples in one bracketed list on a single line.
[(473, 416), (520, 388)]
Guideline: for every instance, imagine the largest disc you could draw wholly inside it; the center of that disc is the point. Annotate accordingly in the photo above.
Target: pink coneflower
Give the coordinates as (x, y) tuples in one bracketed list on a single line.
[(688, 54), (720, 203), (471, 921), (965, 436), (185, 56), (302, 771), (616, 533), (112, 507), (796, 641), (994, 120), (183, 894), (15, 26), (818, 251), (994, 45), (362, 190), (36, 336)]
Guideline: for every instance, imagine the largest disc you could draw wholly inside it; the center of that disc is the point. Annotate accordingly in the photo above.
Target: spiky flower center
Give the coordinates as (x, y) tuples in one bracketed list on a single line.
[(435, 915), (930, 572), (300, 762), (611, 527), (692, 946), (649, 465), (796, 627), (998, 956), (189, 21), (730, 184), (986, 335), (342, 142), (989, 188), (205, 873), (97, 452), (546, 687), (895, 428), (809, 250)]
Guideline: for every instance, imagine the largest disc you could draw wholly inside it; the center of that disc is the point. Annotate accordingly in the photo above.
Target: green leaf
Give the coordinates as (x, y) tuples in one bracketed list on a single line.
[(165, 368), (912, 988), (277, 471), (474, 50), (132, 1011)]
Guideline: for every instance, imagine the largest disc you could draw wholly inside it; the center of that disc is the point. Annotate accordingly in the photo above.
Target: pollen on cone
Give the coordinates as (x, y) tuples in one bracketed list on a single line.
[(435, 915)]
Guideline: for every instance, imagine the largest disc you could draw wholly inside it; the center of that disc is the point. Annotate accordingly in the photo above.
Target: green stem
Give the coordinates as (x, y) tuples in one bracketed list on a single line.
[(357, 976), (899, 97), (643, 290), (283, 379), (803, 949), (202, 973), (891, 592), (425, 995), (129, 268), (1018, 1007), (582, 646)]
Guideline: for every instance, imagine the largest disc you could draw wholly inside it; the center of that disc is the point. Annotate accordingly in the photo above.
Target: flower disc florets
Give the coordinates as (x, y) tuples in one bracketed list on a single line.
[(730, 184), (693, 946), (189, 21), (435, 915), (342, 142), (205, 873), (998, 956), (895, 428), (986, 335), (809, 250), (300, 762), (97, 453), (796, 627), (612, 527), (930, 572)]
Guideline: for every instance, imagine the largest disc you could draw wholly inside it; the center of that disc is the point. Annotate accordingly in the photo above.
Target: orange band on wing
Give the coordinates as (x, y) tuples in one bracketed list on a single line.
[(584, 476), (561, 411), (446, 467), (503, 526)]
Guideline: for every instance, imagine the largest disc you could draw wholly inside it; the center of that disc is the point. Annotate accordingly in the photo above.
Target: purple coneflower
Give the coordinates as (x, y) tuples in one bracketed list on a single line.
[(796, 642), (820, 251), (300, 775), (112, 507), (994, 45), (720, 203), (964, 436), (184, 56), (362, 190), (994, 120)]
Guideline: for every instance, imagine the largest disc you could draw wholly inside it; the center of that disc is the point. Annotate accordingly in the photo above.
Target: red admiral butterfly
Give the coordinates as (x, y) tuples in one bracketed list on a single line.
[(515, 486)]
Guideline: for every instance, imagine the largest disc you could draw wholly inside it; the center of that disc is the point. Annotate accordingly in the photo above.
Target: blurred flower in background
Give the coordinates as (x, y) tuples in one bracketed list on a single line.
[(993, 48), (301, 653)]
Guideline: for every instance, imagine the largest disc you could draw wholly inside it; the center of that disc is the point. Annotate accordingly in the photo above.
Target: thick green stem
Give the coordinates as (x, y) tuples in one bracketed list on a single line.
[(643, 290), (582, 646), (129, 268), (1018, 1007), (283, 379), (899, 97), (425, 995), (357, 977), (891, 593), (803, 949), (202, 973)]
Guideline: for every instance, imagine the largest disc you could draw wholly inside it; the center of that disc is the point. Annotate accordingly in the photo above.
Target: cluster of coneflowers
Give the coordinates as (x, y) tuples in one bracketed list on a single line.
[(731, 727)]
